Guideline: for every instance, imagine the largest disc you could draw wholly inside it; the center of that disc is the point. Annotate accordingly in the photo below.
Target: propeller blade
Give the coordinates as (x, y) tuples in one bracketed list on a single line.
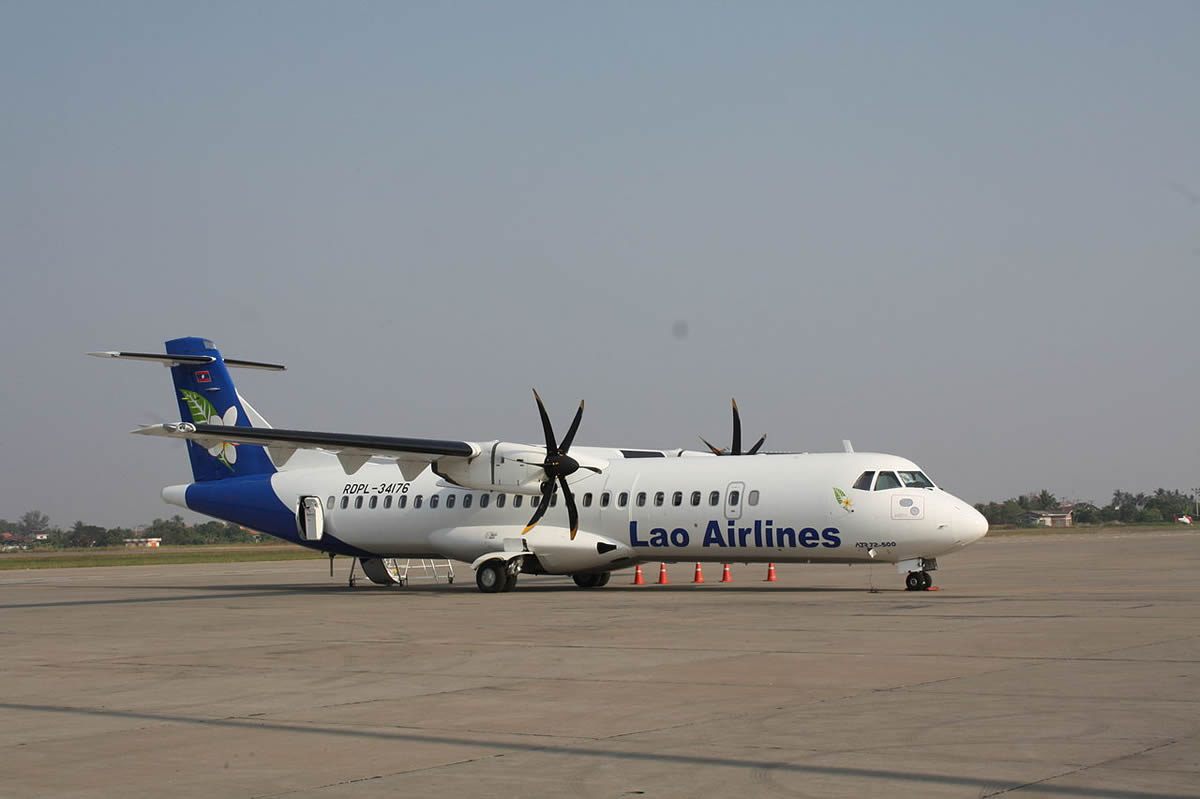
[(566, 442), (755, 448), (736, 449), (547, 490), (572, 511), (593, 469), (715, 451), (546, 428)]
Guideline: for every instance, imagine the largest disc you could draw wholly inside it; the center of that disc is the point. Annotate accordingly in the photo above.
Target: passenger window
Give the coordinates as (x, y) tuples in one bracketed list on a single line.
[(641, 499), (500, 500), (433, 501), (345, 502), (483, 500), (695, 498), (467, 499), (752, 497), (450, 501), (677, 498), (516, 500), (554, 500), (658, 498), (863, 483), (714, 498), (535, 500), (587, 500), (622, 499), (885, 481), (329, 504), (402, 502), (374, 501), (358, 502), (387, 502), (604, 498), (417, 502), (735, 497)]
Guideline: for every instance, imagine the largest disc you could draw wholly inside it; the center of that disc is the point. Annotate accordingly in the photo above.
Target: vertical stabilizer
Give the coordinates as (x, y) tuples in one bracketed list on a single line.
[(206, 395)]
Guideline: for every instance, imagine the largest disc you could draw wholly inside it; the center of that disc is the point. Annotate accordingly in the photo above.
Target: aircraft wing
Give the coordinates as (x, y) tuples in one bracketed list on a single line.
[(412, 455)]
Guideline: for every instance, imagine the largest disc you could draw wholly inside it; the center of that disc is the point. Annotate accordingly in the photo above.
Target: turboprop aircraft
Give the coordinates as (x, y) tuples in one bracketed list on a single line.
[(495, 504)]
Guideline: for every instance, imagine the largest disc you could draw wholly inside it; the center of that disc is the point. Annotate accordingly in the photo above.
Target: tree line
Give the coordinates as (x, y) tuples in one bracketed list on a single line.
[(1162, 506), (173, 531)]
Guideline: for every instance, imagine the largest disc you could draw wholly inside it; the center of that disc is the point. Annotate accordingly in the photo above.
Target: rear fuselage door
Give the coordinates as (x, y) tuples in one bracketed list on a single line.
[(310, 519), (733, 500)]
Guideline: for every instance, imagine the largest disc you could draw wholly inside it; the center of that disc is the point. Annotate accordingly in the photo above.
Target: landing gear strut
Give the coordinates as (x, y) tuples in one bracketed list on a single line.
[(918, 581)]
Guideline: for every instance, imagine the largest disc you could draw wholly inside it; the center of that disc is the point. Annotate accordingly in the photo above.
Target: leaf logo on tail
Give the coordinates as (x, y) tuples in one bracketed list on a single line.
[(203, 412)]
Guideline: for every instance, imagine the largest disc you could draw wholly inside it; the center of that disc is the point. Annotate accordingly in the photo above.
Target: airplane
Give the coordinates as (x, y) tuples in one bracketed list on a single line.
[(495, 504)]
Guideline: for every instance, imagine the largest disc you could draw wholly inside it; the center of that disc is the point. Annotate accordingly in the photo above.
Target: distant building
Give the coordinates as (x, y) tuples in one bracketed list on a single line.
[(137, 543), (1048, 518)]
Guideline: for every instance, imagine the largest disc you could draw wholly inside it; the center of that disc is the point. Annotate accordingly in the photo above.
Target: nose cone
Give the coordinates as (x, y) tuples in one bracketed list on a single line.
[(974, 524)]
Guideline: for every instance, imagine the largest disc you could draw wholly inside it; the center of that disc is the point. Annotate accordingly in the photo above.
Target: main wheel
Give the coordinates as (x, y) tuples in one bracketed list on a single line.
[(926, 581), (914, 582), (586, 580), (492, 576), (604, 578)]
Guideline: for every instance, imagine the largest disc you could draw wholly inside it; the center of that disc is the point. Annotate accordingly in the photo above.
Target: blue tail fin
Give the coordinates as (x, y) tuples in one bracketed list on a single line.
[(206, 395)]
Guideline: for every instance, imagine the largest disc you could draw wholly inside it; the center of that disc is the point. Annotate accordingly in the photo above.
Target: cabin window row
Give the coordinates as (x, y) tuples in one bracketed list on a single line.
[(658, 498)]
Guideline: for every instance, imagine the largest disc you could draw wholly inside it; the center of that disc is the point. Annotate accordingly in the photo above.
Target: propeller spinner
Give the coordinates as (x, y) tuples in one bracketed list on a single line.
[(558, 466), (736, 448)]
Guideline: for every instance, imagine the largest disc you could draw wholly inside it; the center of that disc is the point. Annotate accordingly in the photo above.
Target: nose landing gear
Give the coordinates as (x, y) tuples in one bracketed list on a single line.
[(918, 581)]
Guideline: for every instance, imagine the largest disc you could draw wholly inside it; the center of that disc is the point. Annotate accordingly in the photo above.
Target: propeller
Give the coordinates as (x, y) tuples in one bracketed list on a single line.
[(736, 448), (558, 466)]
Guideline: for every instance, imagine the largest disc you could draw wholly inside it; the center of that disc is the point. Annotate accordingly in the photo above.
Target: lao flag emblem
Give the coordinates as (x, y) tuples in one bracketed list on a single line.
[(203, 377)]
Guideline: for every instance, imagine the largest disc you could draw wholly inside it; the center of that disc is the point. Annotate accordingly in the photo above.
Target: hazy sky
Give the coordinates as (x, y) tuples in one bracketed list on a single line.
[(965, 233)]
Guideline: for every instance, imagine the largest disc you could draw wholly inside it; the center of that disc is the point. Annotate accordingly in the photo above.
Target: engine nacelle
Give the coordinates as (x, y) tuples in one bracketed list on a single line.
[(503, 466), (497, 468)]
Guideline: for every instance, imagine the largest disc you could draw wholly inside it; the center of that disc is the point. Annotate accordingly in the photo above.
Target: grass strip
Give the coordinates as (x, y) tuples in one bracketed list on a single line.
[(69, 560)]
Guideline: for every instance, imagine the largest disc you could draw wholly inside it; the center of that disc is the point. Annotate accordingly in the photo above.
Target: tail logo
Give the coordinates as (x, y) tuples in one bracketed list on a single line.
[(203, 412)]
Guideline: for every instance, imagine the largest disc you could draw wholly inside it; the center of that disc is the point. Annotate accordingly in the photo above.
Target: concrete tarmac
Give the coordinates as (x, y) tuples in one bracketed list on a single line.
[(1046, 666)]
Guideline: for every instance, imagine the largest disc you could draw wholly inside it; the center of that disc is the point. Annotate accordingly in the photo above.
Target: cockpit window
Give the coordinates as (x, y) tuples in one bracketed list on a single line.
[(915, 480), (863, 482), (886, 480)]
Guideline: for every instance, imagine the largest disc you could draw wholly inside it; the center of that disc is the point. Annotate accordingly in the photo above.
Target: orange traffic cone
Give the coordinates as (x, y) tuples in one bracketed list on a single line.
[(637, 576), (699, 576), (771, 578), (725, 578), (662, 574)]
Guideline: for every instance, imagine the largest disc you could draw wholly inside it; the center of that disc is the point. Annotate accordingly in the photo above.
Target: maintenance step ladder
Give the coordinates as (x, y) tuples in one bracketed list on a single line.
[(425, 569)]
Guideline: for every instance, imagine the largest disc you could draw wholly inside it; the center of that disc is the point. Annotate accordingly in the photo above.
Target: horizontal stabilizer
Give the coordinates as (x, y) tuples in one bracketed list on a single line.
[(179, 360)]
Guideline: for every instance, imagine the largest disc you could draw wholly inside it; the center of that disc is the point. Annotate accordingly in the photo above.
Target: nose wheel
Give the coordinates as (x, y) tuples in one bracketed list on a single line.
[(918, 581)]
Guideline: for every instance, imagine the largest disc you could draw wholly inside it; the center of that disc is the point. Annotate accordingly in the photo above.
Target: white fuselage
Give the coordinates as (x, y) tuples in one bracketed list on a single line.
[(778, 508)]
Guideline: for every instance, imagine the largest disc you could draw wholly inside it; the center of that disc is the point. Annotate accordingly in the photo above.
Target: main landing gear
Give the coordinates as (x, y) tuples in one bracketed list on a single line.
[(918, 581), (592, 580), (496, 576)]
